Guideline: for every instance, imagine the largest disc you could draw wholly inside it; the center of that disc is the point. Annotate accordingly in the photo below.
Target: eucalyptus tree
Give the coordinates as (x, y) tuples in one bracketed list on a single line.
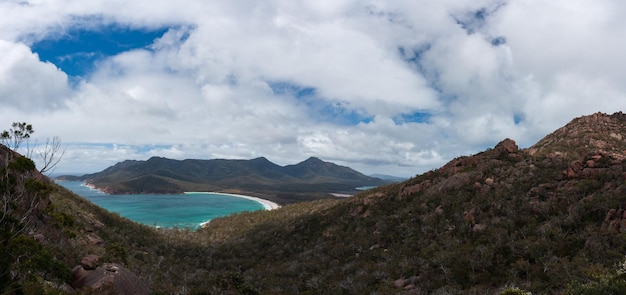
[(20, 132), (16, 135)]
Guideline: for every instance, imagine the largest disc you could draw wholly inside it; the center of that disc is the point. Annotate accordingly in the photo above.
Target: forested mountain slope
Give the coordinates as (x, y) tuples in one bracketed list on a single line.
[(537, 218), (547, 219)]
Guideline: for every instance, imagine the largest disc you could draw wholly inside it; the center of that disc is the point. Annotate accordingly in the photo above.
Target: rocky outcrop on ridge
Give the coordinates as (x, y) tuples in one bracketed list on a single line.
[(505, 150), (598, 133)]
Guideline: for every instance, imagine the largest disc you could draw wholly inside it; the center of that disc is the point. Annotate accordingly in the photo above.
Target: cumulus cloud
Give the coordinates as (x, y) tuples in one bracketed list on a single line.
[(28, 84), (332, 79)]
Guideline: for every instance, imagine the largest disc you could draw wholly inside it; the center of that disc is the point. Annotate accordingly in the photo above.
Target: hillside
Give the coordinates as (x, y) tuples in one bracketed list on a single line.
[(532, 218), (310, 179), (548, 219), (46, 234)]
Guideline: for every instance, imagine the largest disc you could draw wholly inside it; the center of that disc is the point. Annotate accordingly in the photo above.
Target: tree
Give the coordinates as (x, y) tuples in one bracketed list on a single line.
[(51, 154), (18, 133), (16, 201)]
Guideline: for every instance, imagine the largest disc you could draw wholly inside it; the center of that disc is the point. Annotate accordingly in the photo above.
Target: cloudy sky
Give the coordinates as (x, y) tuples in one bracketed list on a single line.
[(396, 87)]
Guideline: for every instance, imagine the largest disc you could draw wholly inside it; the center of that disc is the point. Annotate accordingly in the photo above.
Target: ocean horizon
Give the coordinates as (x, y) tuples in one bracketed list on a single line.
[(166, 210)]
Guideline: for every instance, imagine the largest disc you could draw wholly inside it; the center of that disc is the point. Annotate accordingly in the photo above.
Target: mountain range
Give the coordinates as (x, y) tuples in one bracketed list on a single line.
[(548, 219), (310, 179)]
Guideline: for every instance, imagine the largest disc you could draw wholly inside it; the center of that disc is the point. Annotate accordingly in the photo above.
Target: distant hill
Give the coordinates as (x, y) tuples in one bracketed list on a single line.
[(309, 179), (389, 177)]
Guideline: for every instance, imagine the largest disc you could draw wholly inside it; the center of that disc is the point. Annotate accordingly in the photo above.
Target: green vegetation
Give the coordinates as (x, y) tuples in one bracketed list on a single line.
[(601, 284), (16, 135), (25, 264), (514, 291), (21, 164), (479, 225)]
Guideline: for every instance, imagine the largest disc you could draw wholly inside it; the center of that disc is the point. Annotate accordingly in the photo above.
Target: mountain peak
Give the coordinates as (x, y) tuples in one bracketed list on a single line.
[(312, 160), (596, 133), (156, 159), (260, 159)]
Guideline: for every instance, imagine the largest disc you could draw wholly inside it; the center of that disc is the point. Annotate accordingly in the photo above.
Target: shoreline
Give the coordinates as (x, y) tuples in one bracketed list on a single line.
[(267, 204)]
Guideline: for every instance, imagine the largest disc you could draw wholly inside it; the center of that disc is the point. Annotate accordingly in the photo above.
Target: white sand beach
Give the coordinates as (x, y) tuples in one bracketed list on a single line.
[(338, 195), (269, 205)]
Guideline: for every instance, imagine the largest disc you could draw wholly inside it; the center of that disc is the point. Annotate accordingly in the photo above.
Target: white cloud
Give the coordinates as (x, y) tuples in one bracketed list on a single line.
[(204, 89), (28, 84), (567, 55)]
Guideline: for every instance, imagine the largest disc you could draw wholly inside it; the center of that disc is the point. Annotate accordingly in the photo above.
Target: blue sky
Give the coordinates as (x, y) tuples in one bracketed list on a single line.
[(78, 51), (321, 109), (397, 87)]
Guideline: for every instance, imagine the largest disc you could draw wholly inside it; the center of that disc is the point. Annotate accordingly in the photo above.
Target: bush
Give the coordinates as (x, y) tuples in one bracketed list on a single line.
[(22, 164), (29, 257), (115, 252), (37, 187), (604, 286), (514, 291), (60, 219)]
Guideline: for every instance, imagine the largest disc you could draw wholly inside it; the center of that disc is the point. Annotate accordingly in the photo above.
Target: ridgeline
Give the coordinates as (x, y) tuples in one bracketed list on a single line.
[(308, 180), (548, 219)]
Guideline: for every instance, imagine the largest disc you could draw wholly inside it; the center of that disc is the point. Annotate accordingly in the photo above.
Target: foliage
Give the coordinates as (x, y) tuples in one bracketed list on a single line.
[(50, 153), (37, 187), (61, 219), (16, 135), (602, 283), (26, 266), (606, 285), (531, 227), (24, 256), (476, 226), (541, 229), (22, 164), (231, 283), (115, 252), (514, 291)]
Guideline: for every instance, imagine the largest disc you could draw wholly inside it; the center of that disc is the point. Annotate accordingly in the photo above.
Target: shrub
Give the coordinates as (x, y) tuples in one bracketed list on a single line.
[(28, 256), (22, 164), (604, 286), (115, 252), (514, 291)]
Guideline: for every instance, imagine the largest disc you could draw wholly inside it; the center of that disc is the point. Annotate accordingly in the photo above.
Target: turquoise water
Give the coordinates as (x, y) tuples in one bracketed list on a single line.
[(182, 211)]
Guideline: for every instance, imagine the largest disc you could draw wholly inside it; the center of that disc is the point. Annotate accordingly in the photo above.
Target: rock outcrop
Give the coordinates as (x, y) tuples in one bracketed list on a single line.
[(597, 134), (453, 171), (107, 277)]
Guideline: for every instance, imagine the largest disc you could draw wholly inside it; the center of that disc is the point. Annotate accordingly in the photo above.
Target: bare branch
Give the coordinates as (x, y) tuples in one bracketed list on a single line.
[(51, 154)]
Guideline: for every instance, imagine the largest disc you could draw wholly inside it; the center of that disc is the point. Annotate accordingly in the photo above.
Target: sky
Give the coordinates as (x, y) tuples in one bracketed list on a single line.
[(395, 87)]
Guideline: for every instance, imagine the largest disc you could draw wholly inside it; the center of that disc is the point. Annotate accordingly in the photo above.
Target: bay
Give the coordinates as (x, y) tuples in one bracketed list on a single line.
[(166, 210)]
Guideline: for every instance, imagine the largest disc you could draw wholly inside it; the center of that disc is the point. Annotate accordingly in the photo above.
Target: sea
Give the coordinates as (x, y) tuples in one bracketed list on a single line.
[(166, 210)]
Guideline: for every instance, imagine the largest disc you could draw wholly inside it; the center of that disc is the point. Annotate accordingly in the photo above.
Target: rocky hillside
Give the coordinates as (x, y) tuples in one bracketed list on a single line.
[(44, 230), (598, 133), (548, 219), (545, 219)]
